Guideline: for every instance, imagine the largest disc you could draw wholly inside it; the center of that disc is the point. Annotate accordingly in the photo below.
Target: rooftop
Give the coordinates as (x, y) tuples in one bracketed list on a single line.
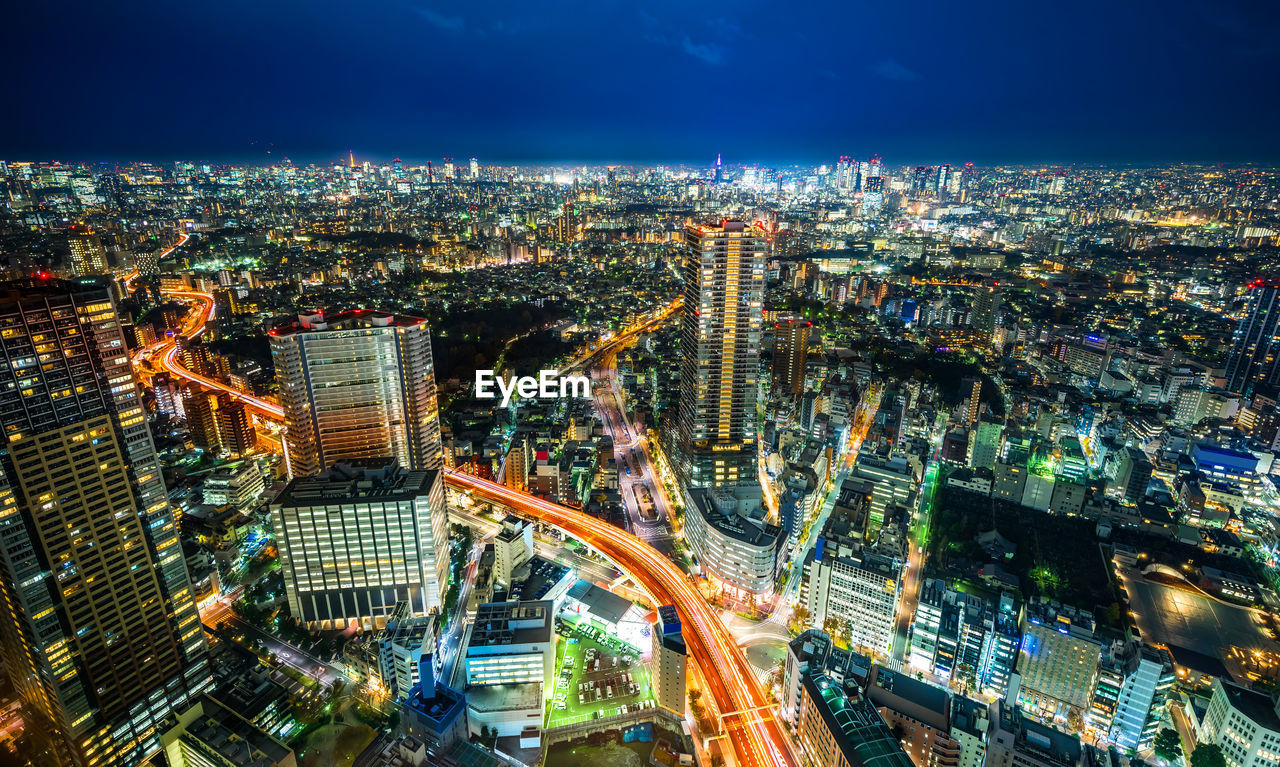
[(352, 319), (379, 479)]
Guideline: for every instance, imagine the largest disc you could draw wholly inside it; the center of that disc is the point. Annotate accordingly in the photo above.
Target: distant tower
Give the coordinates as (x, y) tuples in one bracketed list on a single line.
[(351, 159), (721, 324), (88, 257), (984, 311), (719, 175)]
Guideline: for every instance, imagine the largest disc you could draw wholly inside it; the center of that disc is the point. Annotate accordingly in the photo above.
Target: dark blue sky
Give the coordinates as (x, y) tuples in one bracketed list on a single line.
[(1114, 81)]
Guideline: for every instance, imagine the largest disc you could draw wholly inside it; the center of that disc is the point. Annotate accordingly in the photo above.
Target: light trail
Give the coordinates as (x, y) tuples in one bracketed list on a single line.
[(750, 723)]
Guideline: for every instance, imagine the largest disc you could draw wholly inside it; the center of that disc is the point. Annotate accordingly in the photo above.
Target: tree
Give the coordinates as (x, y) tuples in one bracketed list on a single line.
[(1208, 755), (1168, 745)]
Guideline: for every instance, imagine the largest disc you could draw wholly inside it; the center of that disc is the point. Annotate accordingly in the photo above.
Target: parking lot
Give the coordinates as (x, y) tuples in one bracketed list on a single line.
[(596, 675)]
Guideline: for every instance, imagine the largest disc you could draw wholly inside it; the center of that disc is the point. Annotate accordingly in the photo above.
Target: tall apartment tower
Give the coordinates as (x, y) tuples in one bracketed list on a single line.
[(721, 324), (88, 257), (973, 402), (98, 629), (790, 349), (984, 311), (669, 661), (357, 385), (1254, 363)]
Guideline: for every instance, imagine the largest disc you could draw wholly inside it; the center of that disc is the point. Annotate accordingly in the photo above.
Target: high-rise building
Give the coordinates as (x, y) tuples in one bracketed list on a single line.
[(973, 402), (1254, 362), (359, 538), (984, 311), (721, 322), (669, 661), (88, 257), (1058, 664), (790, 349), (202, 418), (357, 385), (98, 628), (235, 430)]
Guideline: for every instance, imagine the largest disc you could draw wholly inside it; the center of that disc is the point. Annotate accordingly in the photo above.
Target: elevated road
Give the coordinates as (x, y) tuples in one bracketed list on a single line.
[(747, 716)]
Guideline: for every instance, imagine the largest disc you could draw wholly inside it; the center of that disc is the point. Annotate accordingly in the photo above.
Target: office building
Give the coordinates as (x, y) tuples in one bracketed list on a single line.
[(734, 545), (99, 632), (1147, 677), (790, 350), (88, 257), (919, 711), (1015, 740), (357, 385), (720, 327), (1254, 361), (852, 583), (1058, 664), (359, 538), (507, 660), (984, 312), (239, 486), (1244, 723), (984, 446), (965, 639), (838, 727), (434, 713), (208, 734), (669, 662), (202, 418), (512, 547), (893, 482), (236, 434)]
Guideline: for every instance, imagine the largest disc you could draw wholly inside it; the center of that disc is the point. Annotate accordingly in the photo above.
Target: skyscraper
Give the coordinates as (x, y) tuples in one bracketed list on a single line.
[(1255, 351), (984, 311), (790, 349), (721, 322), (97, 625), (88, 257), (357, 385)]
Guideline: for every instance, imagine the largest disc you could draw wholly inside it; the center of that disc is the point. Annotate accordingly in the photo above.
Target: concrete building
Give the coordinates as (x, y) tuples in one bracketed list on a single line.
[(1244, 723), (434, 713), (357, 539), (1017, 741), (669, 662), (920, 712), (239, 486), (790, 350), (727, 532), (510, 643), (98, 628), (852, 583), (838, 727), (965, 639), (208, 734), (512, 547), (357, 385), (1058, 663)]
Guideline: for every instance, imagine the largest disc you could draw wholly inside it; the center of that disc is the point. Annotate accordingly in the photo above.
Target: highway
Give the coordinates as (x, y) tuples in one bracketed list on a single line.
[(748, 717)]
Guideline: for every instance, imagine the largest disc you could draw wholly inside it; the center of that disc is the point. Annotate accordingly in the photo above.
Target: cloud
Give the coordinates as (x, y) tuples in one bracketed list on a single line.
[(437, 19), (708, 52), (890, 69)]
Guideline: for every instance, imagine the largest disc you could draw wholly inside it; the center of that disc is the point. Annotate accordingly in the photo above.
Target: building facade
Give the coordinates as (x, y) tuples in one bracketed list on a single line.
[(357, 385), (721, 325), (357, 539), (98, 628)]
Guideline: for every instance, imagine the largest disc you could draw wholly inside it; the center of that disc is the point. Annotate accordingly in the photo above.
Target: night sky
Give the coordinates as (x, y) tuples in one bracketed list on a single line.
[(987, 82)]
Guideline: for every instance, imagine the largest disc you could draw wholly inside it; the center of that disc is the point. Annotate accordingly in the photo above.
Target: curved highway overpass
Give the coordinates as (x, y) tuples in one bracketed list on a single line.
[(748, 717)]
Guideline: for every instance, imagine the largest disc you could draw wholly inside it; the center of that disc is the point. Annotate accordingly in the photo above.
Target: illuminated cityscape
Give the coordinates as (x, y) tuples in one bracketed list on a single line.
[(611, 387)]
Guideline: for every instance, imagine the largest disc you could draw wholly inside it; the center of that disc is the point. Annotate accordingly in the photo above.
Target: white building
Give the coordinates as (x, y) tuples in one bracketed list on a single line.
[(236, 486), (725, 527), (1244, 723), (356, 540)]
